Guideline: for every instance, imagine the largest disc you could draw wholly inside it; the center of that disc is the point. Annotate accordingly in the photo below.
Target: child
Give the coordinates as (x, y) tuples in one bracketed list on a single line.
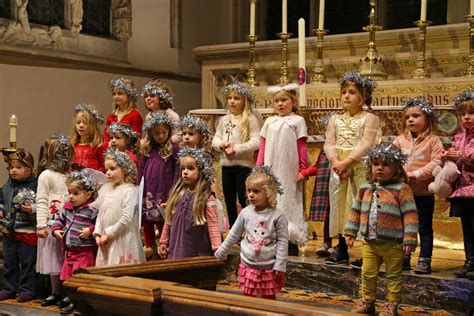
[(264, 250), (424, 150), (124, 107), (283, 148), (384, 212), (348, 138), (116, 232), (462, 199), (159, 166), (191, 228), (158, 99), (18, 218), (87, 138), (123, 138), (51, 195), (195, 133), (74, 227), (237, 139)]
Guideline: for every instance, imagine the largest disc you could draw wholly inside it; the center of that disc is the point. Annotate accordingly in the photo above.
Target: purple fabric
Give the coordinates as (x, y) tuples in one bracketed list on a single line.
[(188, 239)]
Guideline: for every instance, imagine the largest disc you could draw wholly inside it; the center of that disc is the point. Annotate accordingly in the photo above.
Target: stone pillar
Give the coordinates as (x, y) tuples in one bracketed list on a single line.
[(73, 13)]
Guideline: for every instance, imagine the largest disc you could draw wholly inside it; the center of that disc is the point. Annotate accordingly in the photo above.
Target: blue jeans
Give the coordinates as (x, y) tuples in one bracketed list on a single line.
[(425, 206), (19, 275)]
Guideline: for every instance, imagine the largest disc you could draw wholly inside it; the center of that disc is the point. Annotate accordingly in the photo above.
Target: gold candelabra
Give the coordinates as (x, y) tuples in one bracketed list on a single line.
[(421, 72), (371, 64), (284, 73), (318, 75), (470, 70), (251, 72)]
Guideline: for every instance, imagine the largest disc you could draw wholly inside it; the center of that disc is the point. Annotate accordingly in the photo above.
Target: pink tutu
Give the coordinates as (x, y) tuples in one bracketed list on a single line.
[(256, 282)]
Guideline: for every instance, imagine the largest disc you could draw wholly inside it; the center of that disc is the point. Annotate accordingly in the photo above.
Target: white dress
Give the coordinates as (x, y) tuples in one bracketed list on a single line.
[(118, 219), (281, 154)]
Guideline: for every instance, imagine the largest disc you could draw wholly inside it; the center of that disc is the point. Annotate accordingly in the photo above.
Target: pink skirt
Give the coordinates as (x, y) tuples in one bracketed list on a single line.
[(256, 282), (76, 259)]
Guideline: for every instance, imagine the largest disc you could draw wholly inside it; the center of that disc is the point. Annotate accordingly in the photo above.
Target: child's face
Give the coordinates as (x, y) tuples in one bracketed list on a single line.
[(78, 197), (160, 133), (114, 173), (382, 171), (120, 98), (189, 171), (82, 126), (351, 98), (283, 104), (119, 141), (18, 171), (236, 103), (191, 138), (257, 196), (415, 120), (152, 103), (467, 116)]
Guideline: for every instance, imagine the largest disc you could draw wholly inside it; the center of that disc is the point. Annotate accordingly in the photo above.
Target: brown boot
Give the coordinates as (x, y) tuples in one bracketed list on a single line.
[(389, 309), (364, 307)]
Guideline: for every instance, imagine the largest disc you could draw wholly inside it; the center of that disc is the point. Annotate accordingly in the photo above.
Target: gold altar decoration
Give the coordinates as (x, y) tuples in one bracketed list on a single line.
[(470, 70), (284, 72), (318, 75), (421, 72), (251, 72)]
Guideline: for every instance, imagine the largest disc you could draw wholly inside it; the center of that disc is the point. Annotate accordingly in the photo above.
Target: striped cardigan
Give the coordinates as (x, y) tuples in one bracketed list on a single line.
[(397, 216)]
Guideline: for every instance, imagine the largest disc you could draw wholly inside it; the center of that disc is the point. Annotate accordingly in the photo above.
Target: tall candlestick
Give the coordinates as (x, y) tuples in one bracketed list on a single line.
[(13, 124), (284, 16), (423, 10), (302, 60), (321, 15), (252, 17)]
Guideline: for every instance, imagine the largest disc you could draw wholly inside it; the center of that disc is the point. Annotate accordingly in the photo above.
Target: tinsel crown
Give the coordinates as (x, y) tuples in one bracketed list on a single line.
[(423, 104), (159, 92), (195, 123), (155, 119), (122, 160), (360, 81), (93, 112), (125, 86), (202, 161), (462, 97), (268, 171), (387, 152), (85, 179), (240, 89)]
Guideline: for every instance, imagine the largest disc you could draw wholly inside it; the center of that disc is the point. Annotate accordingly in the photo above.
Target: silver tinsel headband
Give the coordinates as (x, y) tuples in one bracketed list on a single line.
[(360, 81), (240, 89), (125, 86), (61, 156), (286, 88), (324, 120), (387, 152), (202, 162), (86, 180), (122, 160), (462, 97), (155, 119), (115, 127), (93, 112), (424, 105), (195, 123), (164, 96), (268, 171)]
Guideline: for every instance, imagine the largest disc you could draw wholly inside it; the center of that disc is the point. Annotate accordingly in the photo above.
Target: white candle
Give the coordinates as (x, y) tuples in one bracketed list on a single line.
[(321, 15), (284, 16), (423, 10), (252, 17), (302, 60), (472, 7), (13, 124)]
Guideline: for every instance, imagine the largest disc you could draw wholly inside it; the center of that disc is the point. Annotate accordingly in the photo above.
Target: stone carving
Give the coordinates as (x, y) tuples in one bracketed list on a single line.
[(122, 19), (73, 15)]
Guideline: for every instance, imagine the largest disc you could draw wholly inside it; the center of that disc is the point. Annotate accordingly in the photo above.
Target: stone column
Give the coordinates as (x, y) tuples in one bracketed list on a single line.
[(73, 13)]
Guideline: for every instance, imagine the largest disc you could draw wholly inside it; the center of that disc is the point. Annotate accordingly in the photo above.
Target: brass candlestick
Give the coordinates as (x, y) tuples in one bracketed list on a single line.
[(371, 65), (318, 75), (421, 72), (251, 72), (470, 70), (284, 73)]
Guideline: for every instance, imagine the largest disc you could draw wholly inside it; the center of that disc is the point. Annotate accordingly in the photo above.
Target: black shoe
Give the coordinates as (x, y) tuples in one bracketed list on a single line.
[(67, 309), (356, 263), (50, 301), (63, 303), (6, 296), (335, 260), (293, 249)]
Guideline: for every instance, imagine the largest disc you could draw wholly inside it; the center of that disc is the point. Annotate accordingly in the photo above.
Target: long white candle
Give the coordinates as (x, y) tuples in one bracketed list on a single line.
[(321, 15), (423, 10), (13, 124), (252, 17), (284, 16), (302, 60)]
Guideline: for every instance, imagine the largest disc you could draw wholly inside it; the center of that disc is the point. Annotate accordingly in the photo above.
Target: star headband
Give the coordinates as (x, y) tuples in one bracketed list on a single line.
[(155, 119), (89, 109), (86, 180), (115, 127), (268, 171), (60, 158), (424, 105), (125, 86), (240, 89), (462, 97), (287, 88), (122, 160), (164, 96), (195, 123), (388, 152), (201, 161), (360, 81)]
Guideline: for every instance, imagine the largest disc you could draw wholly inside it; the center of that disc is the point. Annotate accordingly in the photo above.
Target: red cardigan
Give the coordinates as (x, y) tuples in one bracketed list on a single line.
[(133, 118)]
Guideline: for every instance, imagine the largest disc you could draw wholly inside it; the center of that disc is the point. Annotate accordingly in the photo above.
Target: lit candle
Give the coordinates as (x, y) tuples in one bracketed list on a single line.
[(13, 124), (321, 15), (284, 17), (252, 17), (302, 60), (423, 10)]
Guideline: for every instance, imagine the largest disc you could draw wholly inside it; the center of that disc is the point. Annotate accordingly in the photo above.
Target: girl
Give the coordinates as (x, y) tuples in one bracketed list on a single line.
[(124, 107), (424, 150), (348, 138), (195, 133), (74, 227), (264, 250), (158, 99), (159, 166), (87, 139), (283, 147), (462, 199), (116, 232), (123, 138), (237, 140), (18, 218), (191, 228), (384, 212), (51, 195)]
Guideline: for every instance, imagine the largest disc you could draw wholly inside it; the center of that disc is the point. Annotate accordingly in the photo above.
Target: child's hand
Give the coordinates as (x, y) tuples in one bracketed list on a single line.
[(453, 155), (85, 232), (163, 205), (339, 167), (42, 233), (97, 240), (224, 145), (301, 177), (408, 249), (278, 273), (163, 251), (411, 176), (27, 208), (104, 240), (344, 175), (229, 150), (59, 234), (350, 241)]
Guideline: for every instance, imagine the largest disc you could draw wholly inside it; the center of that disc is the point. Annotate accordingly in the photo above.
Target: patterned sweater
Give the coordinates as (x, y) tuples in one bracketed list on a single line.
[(397, 217)]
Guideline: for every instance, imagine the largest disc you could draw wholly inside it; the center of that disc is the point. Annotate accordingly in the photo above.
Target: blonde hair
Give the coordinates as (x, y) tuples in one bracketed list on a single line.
[(96, 138), (128, 178), (466, 105), (165, 150), (204, 140), (131, 99), (292, 95), (266, 182), (431, 121), (246, 115)]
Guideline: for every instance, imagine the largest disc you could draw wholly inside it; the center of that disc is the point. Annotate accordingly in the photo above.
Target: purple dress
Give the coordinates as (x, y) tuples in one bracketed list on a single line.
[(160, 176), (188, 239)]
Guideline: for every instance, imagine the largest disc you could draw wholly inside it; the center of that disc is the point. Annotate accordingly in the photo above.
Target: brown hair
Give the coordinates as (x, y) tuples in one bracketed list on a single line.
[(23, 157), (56, 158), (400, 173), (431, 121), (157, 83), (365, 92), (166, 149)]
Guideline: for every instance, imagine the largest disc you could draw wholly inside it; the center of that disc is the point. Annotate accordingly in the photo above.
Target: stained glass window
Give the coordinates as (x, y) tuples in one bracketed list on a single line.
[(5, 9), (96, 20), (46, 12)]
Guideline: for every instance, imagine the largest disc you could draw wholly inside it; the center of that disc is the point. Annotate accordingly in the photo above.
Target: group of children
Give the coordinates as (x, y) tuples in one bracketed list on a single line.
[(363, 190)]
